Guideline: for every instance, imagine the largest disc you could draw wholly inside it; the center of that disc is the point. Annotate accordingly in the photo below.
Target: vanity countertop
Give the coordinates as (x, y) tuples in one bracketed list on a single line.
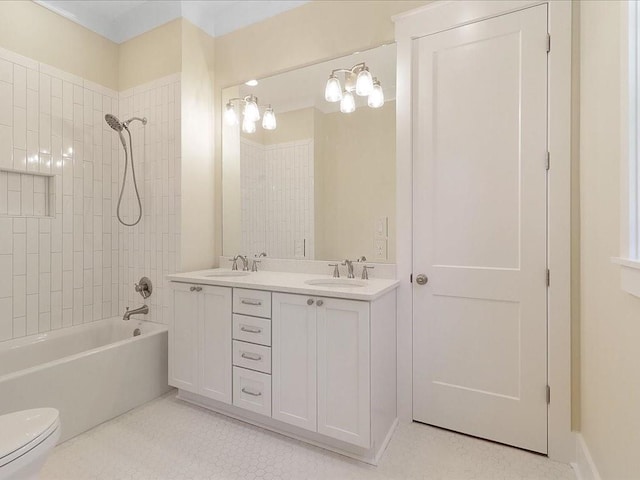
[(291, 283)]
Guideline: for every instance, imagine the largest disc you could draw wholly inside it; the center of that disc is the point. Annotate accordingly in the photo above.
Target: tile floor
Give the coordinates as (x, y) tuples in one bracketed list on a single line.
[(169, 439)]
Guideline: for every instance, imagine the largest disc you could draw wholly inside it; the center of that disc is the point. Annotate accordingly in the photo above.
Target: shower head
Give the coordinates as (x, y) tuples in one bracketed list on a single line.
[(113, 122)]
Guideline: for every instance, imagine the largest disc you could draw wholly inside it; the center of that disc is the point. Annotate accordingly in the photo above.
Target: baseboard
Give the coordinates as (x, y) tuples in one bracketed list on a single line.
[(584, 467)]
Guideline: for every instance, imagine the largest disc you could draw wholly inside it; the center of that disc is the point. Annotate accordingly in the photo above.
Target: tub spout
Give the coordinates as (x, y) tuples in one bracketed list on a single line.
[(143, 309)]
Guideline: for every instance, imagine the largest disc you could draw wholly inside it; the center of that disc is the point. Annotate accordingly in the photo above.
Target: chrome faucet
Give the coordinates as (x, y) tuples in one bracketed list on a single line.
[(349, 264), (336, 270), (245, 262), (143, 309), (254, 264)]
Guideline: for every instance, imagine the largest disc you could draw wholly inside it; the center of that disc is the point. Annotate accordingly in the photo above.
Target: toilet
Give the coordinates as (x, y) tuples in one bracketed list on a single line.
[(26, 440)]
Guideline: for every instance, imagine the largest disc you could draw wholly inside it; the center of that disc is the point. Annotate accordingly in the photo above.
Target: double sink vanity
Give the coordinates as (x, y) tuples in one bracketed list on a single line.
[(306, 355)]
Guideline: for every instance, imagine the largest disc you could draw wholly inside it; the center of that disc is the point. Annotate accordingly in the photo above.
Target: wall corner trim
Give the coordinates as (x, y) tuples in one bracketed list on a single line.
[(584, 466)]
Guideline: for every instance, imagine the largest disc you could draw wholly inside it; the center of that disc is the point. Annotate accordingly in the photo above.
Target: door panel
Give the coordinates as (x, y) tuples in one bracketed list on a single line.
[(294, 361), (215, 343), (183, 339), (480, 229), (343, 371)]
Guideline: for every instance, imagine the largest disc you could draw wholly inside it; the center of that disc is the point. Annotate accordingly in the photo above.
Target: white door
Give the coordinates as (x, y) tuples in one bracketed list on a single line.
[(183, 338), (480, 147), (343, 370), (215, 343), (293, 354)]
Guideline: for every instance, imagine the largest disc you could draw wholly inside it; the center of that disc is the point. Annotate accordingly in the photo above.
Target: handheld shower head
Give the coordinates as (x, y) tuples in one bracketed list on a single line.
[(117, 125), (113, 122)]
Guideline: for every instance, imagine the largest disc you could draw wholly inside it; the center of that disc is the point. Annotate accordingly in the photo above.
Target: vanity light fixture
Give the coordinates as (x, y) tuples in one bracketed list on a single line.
[(250, 114), (348, 103), (357, 79)]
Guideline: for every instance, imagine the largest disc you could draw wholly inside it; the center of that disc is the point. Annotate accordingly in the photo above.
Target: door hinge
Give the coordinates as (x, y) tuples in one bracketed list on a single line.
[(411, 278), (548, 161), (548, 42), (548, 277), (548, 394)]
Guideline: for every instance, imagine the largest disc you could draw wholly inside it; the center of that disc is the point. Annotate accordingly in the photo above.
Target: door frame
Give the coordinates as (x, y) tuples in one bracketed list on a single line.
[(444, 15)]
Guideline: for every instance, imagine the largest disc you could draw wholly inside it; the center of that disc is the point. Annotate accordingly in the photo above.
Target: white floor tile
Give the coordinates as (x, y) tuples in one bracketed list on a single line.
[(169, 439)]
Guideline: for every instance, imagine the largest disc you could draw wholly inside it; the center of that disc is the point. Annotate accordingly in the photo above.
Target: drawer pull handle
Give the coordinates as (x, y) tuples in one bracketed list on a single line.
[(251, 356), (250, 392), (255, 303), (244, 328)]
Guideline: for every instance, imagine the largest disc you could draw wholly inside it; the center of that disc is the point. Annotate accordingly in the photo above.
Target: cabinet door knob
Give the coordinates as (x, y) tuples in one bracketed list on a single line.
[(193, 288), (422, 279), (198, 289), (320, 303), (310, 301)]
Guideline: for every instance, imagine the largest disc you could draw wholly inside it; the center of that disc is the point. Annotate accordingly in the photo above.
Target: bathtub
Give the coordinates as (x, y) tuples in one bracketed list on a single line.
[(90, 373)]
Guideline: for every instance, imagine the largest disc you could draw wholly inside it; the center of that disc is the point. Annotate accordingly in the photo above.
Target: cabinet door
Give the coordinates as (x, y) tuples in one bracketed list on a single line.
[(294, 360), (183, 338), (215, 343), (343, 371)]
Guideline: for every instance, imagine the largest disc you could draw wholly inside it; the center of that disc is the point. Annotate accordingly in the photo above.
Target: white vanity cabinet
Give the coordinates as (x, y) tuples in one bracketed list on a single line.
[(199, 341), (316, 367)]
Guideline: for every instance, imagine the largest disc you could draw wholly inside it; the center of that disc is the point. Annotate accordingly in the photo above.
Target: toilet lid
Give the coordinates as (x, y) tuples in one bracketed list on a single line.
[(20, 429)]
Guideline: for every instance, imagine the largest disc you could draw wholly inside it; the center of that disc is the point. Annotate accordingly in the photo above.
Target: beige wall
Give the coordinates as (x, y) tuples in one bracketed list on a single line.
[(154, 54), (198, 190), (35, 32), (610, 318), (308, 34), (358, 180)]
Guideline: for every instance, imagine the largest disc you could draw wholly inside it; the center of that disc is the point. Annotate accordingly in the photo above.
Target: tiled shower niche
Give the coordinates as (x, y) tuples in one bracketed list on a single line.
[(26, 194)]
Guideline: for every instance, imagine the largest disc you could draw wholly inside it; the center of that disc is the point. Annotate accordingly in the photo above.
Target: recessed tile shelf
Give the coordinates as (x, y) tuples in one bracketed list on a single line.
[(26, 194)]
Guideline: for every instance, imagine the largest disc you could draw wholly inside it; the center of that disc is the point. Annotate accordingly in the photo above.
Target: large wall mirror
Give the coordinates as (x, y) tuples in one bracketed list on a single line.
[(321, 185)]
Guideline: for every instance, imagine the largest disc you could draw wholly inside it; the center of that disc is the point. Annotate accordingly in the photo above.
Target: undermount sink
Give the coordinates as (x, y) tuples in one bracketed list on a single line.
[(336, 283), (227, 273)]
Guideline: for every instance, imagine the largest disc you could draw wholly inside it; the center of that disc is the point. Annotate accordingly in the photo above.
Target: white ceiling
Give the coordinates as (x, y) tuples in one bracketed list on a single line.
[(121, 20)]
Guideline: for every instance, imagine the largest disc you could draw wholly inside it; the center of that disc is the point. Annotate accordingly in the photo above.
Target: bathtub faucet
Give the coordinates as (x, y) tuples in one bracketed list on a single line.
[(143, 309)]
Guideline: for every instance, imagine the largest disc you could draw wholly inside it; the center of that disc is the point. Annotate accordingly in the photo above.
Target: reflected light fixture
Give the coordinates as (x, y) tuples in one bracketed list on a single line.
[(269, 119), (250, 114), (376, 97), (357, 79), (251, 83)]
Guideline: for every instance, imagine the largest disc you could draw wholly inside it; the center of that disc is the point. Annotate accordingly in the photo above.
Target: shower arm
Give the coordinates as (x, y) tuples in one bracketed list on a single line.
[(143, 120)]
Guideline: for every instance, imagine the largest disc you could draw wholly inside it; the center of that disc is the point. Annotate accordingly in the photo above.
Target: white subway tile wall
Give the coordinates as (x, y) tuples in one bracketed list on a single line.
[(152, 248), (65, 268), (277, 195)]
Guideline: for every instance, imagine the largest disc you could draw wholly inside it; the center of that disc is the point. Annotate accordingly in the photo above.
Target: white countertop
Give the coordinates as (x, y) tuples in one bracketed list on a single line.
[(291, 283)]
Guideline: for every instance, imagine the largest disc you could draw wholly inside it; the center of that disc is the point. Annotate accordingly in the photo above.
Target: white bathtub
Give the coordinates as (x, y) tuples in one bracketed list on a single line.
[(90, 373)]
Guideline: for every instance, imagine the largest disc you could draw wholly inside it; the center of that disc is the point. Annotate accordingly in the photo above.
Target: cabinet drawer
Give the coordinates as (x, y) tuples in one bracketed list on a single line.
[(256, 303), (252, 329), (249, 355), (252, 390)]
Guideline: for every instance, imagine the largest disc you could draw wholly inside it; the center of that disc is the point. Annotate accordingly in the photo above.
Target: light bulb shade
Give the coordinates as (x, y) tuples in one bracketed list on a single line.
[(333, 90), (348, 103), (364, 83), (376, 97), (269, 119), (248, 126), (230, 117), (251, 109)]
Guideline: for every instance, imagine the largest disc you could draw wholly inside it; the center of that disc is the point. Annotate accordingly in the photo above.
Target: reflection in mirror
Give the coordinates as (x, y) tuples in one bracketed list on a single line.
[(320, 186)]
